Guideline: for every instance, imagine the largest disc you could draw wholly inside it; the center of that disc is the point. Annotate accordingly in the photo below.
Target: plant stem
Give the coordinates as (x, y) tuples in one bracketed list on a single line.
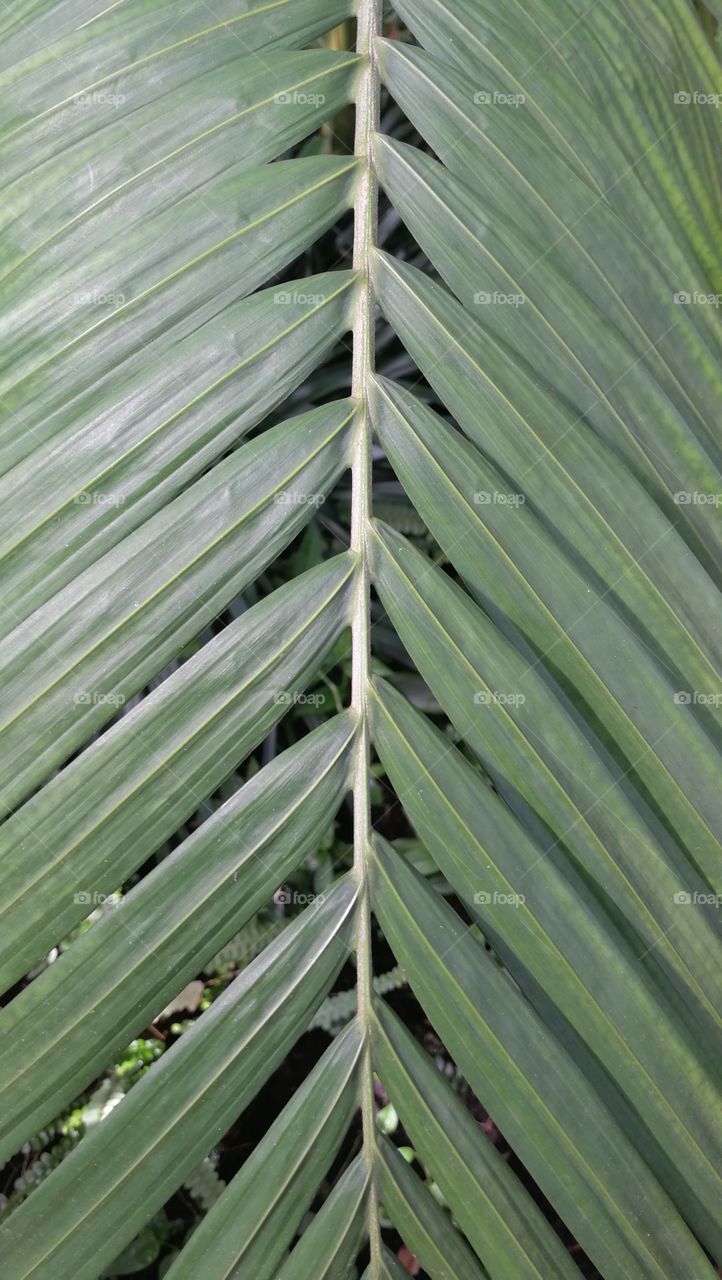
[(366, 220)]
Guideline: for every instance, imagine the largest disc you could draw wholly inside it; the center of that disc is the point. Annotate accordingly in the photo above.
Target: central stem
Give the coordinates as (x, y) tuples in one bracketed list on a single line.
[(366, 219)]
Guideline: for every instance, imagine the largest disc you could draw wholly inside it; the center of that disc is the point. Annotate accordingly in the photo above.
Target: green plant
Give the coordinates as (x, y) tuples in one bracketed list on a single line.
[(559, 443)]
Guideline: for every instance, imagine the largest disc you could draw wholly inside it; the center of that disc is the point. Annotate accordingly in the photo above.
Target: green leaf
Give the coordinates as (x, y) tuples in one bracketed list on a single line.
[(508, 1232), (248, 1231), (388, 1268), (528, 738), (423, 1225), (207, 105), (78, 1221), (557, 213), (527, 335), (329, 1246), (521, 897), (99, 819), (102, 490), (68, 1024), (110, 41), (210, 386), (77, 660), (571, 625), (247, 222), (610, 115), (554, 1120), (597, 505)]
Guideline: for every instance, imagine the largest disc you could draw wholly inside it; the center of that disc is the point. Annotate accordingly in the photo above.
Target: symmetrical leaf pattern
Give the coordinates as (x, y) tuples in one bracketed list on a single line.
[(560, 443)]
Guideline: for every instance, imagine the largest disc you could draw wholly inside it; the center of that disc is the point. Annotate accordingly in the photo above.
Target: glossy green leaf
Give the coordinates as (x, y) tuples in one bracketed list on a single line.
[(91, 647), (424, 1226), (105, 41), (594, 501), (547, 1110), (211, 249), (98, 820), (207, 105), (516, 568), (248, 1231), (66, 1026), (546, 918), (78, 1221), (525, 734), (610, 116), (189, 234), (98, 484), (329, 1246), (508, 1232), (557, 212), (389, 1267)]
